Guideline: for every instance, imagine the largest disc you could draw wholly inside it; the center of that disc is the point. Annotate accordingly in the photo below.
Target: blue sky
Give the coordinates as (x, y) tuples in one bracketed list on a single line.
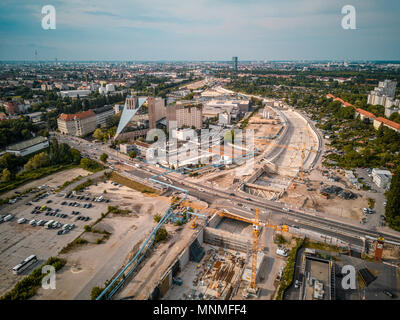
[(200, 30)]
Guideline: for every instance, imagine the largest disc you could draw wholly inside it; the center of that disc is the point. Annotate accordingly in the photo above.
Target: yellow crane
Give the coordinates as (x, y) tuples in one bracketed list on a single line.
[(257, 224), (303, 156)]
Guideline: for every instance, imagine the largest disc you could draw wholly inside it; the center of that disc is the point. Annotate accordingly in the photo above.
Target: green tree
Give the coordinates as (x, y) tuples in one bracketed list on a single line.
[(6, 175), (104, 157), (39, 160), (393, 202), (133, 154), (161, 235), (98, 134)]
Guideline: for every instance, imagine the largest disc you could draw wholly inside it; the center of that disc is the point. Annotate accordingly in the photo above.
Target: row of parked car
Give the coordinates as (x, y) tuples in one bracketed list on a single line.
[(87, 198)]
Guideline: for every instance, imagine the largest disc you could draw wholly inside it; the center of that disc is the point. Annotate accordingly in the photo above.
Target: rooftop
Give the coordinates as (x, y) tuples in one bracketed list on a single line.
[(389, 123), (26, 144), (79, 115), (365, 113)]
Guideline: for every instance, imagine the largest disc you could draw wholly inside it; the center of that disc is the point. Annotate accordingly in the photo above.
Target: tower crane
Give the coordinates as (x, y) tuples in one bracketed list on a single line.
[(257, 224)]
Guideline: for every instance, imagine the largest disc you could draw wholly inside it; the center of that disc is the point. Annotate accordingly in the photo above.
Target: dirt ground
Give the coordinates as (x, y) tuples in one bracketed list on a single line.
[(335, 205), (224, 181), (93, 264), (52, 181)]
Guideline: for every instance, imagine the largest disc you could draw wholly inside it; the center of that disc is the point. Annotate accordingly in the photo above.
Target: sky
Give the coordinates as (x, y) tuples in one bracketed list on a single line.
[(200, 30)]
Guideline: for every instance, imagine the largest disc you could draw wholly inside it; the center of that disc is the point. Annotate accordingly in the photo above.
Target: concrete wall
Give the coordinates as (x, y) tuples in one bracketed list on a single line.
[(183, 258), (226, 239)]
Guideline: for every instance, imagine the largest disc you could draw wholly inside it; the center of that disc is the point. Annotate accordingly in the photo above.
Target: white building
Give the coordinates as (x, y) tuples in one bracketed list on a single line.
[(74, 93), (110, 88), (29, 146), (224, 118), (384, 95), (382, 178), (126, 148)]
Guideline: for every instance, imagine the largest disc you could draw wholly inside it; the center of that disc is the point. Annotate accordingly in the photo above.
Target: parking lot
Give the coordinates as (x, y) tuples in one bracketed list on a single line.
[(21, 237)]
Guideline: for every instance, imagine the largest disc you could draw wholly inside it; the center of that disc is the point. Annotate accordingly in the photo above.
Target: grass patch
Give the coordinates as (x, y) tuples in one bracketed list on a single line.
[(320, 246), (75, 243), (371, 203), (116, 210), (67, 183), (280, 239), (27, 287), (132, 184), (288, 273), (83, 185), (27, 176)]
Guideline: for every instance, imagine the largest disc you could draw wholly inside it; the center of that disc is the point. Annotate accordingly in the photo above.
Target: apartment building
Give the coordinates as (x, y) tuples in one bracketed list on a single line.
[(102, 114), (185, 114), (156, 110), (77, 124)]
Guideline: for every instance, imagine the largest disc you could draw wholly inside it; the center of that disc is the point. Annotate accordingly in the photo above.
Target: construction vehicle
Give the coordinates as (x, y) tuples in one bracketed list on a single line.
[(193, 225)]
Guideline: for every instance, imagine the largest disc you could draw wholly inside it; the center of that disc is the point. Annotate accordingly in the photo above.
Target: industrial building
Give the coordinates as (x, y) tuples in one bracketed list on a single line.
[(74, 93), (29, 146)]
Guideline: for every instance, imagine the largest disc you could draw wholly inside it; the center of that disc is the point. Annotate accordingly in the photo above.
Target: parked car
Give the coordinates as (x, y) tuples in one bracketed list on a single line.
[(388, 293)]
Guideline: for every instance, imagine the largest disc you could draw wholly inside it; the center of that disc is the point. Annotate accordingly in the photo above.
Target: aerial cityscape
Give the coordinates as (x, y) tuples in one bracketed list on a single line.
[(164, 175)]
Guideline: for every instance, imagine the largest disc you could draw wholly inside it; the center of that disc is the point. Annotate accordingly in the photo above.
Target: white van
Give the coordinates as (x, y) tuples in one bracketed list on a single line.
[(22, 220), (282, 252), (8, 217)]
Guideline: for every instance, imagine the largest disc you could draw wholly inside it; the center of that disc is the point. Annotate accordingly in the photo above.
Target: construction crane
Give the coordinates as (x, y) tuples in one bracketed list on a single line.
[(303, 156), (256, 229), (257, 224)]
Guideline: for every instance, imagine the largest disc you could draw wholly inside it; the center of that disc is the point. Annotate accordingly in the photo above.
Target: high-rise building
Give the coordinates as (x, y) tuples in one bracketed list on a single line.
[(235, 63), (383, 95), (156, 110), (185, 113)]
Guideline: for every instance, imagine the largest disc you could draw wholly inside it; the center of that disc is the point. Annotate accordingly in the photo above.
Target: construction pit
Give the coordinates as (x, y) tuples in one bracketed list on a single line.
[(216, 265)]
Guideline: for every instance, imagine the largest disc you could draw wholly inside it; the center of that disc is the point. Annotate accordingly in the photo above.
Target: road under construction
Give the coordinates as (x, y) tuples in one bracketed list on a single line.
[(208, 235)]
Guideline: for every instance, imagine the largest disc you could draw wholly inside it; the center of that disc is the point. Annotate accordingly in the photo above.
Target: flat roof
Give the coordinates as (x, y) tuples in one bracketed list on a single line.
[(26, 144)]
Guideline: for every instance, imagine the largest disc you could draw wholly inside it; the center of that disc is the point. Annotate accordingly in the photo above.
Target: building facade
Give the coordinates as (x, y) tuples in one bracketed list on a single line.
[(102, 114), (78, 124), (156, 110), (235, 63), (185, 114), (29, 146)]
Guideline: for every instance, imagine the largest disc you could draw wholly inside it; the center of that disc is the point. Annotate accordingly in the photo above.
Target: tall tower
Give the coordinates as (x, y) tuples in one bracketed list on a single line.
[(235, 63)]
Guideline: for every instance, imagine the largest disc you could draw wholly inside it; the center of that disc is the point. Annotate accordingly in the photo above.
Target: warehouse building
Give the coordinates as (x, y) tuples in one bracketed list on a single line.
[(29, 146)]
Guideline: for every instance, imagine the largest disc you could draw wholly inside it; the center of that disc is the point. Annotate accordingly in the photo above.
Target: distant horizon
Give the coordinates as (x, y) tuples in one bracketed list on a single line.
[(200, 30), (199, 61)]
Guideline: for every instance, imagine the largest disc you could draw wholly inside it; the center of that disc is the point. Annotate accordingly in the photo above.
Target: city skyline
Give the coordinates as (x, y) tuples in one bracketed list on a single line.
[(199, 31)]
